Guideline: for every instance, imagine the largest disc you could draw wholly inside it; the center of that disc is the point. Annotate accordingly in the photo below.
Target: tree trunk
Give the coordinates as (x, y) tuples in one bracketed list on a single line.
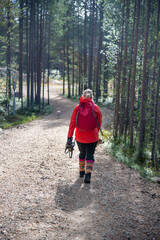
[(44, 46), (119, 63), (48, 60), (78, 58), (73, 46), (32, 12), (123, 87), (143, 86), (130, 71), (68, 76), (8, 82), (81, 61), (85, 46), (105, 78), (95, 48), (40, 60), (64, 53), (35, 55), (21, 53), (155, 122), (99, 54), (134, 74), (154, 73), (27, 55), (37, 50), (91, 46), (116, 114), (153, 89)]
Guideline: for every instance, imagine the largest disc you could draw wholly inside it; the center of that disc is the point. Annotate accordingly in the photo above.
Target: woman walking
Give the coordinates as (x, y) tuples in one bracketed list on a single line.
[(87, 120)]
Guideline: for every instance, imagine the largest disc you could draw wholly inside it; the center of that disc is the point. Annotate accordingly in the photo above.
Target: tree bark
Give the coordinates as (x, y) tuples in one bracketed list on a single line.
[(156, 98), (40, 60), (48, 60), (8, 81), (64, 53), (123, 87), (119, 63), (37, 51), (105, 77), (79, 57), (99, 54), (155, 122), (21, 53), (27, 55), (154, 73), (143, 85), (134, 74), (73, 46), (68, 76), (85, 45), (130, 72), (44, 46), (91, 46), (116, 114), (32, 12)]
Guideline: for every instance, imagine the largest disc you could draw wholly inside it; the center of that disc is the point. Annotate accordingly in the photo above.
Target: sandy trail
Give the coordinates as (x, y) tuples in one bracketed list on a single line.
[(42, 197)]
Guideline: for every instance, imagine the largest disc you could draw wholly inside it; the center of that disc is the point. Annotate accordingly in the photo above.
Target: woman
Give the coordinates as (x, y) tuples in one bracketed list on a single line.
[(87, 120)]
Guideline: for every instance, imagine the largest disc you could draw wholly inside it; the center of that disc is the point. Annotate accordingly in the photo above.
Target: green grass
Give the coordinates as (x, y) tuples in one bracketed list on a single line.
[(12, 121), (26, 116), (122, 152), (129, 156)]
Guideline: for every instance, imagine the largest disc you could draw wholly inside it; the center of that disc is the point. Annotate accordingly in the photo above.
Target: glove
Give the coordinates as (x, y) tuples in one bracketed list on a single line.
[(69, 146), (100, 141), (69, 141)]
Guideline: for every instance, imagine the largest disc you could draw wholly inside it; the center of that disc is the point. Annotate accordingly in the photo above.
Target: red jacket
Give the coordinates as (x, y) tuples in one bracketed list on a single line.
[(87, 136)]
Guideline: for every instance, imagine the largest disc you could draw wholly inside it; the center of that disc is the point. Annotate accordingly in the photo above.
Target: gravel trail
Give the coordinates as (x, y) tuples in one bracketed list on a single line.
[(42, 197)]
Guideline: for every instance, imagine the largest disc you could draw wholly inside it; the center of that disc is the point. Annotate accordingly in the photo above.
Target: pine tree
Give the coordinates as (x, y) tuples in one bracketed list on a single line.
[(143, 86)]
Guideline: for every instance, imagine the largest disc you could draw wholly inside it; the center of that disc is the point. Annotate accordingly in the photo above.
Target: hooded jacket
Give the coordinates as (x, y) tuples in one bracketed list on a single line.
[(85, 136)]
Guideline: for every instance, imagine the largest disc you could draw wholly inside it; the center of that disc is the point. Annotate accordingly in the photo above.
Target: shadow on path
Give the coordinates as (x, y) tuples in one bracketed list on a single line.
[(73, 197)]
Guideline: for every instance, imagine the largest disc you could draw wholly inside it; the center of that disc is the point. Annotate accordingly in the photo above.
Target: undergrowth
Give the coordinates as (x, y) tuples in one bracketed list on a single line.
[(124, 153), (25, 116)]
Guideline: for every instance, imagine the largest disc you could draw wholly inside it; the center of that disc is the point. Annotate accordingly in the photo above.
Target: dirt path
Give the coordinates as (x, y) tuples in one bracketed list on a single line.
[(42, 197)]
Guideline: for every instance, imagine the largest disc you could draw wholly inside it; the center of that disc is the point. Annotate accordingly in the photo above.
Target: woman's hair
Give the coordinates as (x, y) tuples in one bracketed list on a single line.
[(88, 93)]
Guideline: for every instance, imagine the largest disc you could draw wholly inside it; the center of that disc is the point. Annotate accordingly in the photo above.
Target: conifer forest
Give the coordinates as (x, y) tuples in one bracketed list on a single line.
[(109, 46), (54, 186)]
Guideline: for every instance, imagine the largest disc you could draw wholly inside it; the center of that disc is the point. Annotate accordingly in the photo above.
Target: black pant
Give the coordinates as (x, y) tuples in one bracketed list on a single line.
[(87, 150)]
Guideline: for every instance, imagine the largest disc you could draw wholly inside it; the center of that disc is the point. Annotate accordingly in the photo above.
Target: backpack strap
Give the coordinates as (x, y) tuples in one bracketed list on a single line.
[(97, 120), (77, 118), (80, 105)]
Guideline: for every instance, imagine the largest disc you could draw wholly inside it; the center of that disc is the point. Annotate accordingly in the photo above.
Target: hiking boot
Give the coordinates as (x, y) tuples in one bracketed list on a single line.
[(81, 173), (87, 178)]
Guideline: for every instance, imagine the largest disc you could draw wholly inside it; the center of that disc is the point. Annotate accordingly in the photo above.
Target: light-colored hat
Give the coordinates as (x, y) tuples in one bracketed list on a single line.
[(88, 93)]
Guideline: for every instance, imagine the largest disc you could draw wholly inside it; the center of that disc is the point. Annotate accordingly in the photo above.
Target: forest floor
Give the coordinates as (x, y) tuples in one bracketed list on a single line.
[(43, 198)]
